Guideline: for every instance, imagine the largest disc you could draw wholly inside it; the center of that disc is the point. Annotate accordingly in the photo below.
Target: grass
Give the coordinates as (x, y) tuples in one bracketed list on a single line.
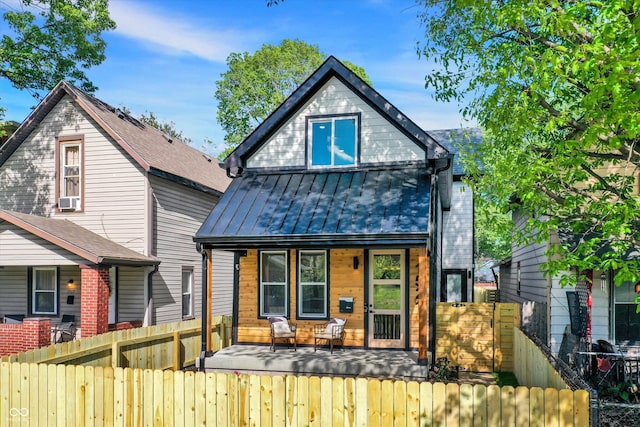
[(505, 378)]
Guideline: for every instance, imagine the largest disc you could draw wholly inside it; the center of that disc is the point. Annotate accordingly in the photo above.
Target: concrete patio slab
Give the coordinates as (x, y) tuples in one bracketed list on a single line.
[(373, 363)]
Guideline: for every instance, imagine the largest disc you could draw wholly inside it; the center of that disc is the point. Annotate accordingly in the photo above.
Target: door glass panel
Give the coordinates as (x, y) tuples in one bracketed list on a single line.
[(454, 288), (386, 267), (386, 297)]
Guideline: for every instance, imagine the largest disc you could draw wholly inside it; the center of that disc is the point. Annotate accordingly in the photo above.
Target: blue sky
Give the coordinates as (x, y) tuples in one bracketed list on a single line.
[(165, 56)]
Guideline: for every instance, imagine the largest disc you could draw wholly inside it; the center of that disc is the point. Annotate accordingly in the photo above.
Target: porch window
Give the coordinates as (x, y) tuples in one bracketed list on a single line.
[(273, 283), (70, 172), (312, 287), (332, 141), (626, 320), (187, 292), (45, 290)]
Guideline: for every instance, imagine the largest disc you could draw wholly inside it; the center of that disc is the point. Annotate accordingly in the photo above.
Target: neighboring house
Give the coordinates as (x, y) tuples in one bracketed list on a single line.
[(595, 308), (341, 206), (97, 214)]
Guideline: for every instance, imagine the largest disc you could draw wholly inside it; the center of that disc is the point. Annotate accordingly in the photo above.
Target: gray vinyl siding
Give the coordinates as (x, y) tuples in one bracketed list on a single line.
[(380, 140), (131, 284), (114, 186), (68, 272), (179, 211), (222, 275), (13, 282), (18, 247), (457, 224), (534, 285)]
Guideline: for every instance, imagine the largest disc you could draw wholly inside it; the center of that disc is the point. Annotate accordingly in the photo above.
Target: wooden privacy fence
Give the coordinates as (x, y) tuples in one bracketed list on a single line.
[(477, 337), (58, 395), (533, 367), (167, 346)]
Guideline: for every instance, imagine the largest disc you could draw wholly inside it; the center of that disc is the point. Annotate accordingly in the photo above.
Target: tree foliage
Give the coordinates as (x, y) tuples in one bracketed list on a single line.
[(556, 85), (168, 128), (45, 41), (50, 40), (256, 84)]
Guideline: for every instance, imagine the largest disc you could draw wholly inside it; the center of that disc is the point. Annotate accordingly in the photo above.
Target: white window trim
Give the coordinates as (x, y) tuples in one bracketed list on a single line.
[(63, 188), (301, 313), (285, 283), (332, 119), (190, 293), (34, 290)]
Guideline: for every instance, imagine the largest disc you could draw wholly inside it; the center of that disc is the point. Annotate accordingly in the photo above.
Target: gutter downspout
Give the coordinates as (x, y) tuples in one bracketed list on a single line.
[(149, 315), (205, 315), (434, 275)]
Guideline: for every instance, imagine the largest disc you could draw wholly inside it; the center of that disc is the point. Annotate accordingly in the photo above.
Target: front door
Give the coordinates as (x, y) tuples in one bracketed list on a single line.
[(386, 299)]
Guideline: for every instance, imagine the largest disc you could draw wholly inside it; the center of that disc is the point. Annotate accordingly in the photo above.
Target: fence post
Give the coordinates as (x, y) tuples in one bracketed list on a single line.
[(177, 359), (115, 355)]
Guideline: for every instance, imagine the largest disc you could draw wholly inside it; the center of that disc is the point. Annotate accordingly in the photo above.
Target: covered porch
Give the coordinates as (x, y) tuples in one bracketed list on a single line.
[(306, 242), (59, 281)]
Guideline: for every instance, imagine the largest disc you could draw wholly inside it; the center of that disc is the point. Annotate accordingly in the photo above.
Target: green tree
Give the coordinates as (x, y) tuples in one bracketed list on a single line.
[(168, 128), (256, 84), (45, 41), (556, 85)]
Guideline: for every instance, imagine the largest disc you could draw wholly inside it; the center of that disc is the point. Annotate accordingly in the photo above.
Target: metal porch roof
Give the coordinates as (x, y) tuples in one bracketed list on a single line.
[(328, 208)]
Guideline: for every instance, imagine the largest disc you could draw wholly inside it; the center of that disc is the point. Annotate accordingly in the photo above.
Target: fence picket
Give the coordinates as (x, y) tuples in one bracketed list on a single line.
[(200, 396), (374, 402), (453, 407), (315, 408), (399, 403), (386, 403), (439, 398), (466, 405), (480, 416), (522, 406)]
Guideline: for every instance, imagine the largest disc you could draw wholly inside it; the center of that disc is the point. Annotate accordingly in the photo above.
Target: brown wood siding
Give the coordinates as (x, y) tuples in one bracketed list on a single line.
[(344, 281)]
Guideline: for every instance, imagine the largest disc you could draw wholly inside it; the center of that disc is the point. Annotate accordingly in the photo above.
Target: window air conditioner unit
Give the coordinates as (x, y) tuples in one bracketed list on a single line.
[(67, 203)]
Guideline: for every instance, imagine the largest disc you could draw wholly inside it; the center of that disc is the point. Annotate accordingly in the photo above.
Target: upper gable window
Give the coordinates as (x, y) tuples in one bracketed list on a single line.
[(333, 141), (71, 174)]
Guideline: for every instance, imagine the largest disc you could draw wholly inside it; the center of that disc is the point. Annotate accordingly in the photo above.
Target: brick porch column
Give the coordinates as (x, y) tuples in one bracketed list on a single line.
[(94, 302), (36, 333)]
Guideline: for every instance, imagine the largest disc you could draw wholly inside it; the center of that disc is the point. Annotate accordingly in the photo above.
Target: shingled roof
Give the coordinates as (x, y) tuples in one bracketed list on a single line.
[(154, 151), (77, 240)]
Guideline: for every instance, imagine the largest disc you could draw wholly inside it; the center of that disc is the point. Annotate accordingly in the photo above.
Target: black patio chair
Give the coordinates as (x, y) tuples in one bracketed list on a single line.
[(65, 330)]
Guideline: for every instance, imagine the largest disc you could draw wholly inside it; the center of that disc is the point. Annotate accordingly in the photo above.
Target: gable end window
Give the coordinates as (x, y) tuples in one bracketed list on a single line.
[(45, 290), (70, 172), (312, 284), (332, 141), (274, 278)]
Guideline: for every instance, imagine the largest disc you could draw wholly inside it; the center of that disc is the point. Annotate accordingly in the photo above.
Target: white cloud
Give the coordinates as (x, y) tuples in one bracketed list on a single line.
[(177, 33)]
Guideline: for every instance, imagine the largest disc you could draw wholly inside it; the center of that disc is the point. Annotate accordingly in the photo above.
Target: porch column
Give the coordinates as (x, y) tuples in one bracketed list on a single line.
[(94, 304), (423, 306), (36, 332)]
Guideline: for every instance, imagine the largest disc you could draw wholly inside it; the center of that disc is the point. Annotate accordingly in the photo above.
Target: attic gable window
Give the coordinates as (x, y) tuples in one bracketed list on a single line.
[(70, 172), (332, 141)]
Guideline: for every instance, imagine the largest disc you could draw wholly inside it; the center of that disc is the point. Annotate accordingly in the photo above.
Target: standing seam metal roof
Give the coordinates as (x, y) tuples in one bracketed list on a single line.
[(341, 206)]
